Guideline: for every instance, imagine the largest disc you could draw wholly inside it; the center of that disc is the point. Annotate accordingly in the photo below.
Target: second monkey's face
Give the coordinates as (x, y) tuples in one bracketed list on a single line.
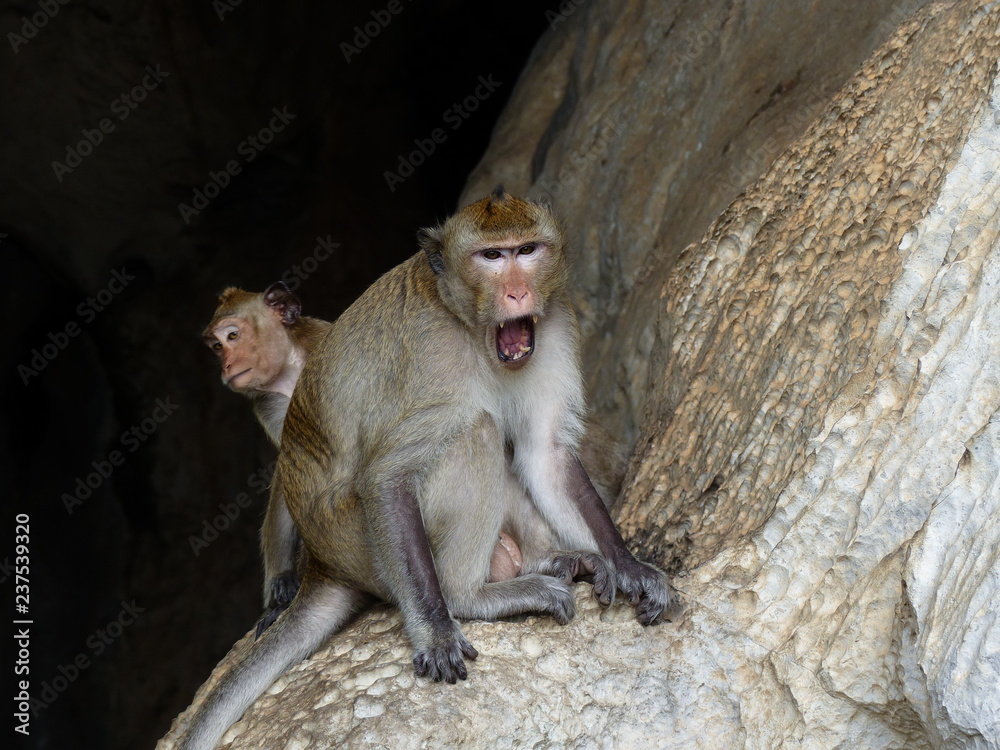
[(252, 357)]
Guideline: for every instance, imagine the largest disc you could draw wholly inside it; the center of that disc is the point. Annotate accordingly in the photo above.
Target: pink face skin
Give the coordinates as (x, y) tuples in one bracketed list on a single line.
[(255, 356)]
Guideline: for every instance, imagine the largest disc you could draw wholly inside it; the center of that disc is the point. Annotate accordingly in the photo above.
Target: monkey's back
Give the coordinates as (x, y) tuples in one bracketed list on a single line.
[(374, 402)]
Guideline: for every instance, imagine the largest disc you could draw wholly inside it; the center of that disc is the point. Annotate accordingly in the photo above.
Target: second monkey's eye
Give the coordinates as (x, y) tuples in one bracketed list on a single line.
[(491, 254), (526, 250), (217, 346), (232, 335)]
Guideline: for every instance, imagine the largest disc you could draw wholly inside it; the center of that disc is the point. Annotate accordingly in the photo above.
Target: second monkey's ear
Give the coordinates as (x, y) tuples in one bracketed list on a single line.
[(430, 242), (283, 301)]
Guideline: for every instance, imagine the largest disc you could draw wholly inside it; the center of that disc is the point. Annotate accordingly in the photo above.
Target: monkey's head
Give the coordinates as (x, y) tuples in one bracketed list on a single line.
[(499, 262), (250, 333)]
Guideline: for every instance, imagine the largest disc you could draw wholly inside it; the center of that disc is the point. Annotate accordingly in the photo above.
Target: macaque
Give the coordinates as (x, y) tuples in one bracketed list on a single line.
[(444, 405), (262, 341)]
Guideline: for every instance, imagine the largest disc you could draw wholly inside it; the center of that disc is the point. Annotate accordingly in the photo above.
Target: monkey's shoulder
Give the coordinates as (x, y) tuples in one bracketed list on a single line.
[(382, 322)]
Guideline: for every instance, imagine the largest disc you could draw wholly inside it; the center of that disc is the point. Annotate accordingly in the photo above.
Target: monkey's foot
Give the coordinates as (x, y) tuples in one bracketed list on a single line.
[(283, 588), (647, 589), (586, 566), (444, 663)]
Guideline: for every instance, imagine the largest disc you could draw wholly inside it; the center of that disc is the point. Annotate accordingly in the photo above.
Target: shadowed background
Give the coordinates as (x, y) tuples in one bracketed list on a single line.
[(110, 280)]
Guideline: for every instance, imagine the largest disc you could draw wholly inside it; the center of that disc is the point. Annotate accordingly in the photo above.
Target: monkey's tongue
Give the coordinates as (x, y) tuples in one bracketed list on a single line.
[(515, 339)]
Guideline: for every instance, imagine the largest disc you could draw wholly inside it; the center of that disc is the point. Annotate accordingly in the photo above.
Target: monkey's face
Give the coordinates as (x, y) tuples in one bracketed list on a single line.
[(251, 355), (499, 262), (508, 301)]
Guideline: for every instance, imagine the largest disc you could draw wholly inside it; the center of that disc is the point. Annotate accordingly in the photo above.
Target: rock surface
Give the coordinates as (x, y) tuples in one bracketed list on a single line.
[(817, 443)]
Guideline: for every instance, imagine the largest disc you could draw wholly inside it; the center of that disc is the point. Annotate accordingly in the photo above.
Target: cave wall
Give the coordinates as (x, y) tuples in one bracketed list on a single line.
[(641, 122)]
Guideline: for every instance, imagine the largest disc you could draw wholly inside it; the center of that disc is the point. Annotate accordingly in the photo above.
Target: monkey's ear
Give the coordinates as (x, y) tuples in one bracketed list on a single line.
[(430, 242), (283, 301)]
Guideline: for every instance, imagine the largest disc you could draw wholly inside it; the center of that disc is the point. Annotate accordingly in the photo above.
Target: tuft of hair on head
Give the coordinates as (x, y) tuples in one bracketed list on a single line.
[(227, 294), (230, 300), (499, 195)]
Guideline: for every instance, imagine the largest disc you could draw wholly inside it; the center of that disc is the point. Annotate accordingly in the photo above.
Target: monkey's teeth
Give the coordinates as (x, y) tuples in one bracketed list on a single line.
[(501, 324), (534, 318), (525, 348)]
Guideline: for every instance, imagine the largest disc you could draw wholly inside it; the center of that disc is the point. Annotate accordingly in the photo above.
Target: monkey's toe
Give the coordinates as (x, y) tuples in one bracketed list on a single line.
[(445, 663), (647, 590), (590, 567)]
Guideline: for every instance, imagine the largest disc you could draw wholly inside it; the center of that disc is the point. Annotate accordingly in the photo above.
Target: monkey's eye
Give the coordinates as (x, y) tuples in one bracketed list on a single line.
[(491, 254), (216, 346), (232, 335), (526, 250)]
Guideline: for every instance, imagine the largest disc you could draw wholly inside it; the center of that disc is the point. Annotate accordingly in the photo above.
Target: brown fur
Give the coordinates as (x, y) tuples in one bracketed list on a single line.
[(416, 433)]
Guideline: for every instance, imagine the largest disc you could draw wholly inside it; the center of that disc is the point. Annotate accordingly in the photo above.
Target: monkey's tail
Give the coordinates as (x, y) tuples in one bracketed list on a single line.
[(320, 609)]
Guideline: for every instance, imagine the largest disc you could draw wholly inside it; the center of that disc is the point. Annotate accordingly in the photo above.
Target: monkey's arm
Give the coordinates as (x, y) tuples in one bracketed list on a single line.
[(646, 586), (406, 567), (279, 542)]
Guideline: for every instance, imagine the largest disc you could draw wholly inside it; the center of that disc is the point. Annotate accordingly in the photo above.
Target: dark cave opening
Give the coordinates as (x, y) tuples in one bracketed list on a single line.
[(155, 155)]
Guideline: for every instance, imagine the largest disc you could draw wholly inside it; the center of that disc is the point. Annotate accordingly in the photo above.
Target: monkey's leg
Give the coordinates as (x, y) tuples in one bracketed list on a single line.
[(320, 609), (467, 498), (405, 567), (539, 554), (463, 555), (568, 501), (279, 542)]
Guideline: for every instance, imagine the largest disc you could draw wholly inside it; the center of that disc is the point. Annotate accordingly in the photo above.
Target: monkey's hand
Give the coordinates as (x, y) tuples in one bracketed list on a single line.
[(442, 661), (586, 566), (281, 590), (647, 589)]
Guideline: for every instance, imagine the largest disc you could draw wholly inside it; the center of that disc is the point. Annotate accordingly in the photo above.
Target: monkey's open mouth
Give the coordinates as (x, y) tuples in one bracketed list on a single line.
[(516, 339)]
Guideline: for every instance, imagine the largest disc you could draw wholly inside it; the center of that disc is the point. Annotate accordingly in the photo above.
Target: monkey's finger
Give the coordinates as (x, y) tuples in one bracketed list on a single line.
[(603, 579), (284, 587)]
